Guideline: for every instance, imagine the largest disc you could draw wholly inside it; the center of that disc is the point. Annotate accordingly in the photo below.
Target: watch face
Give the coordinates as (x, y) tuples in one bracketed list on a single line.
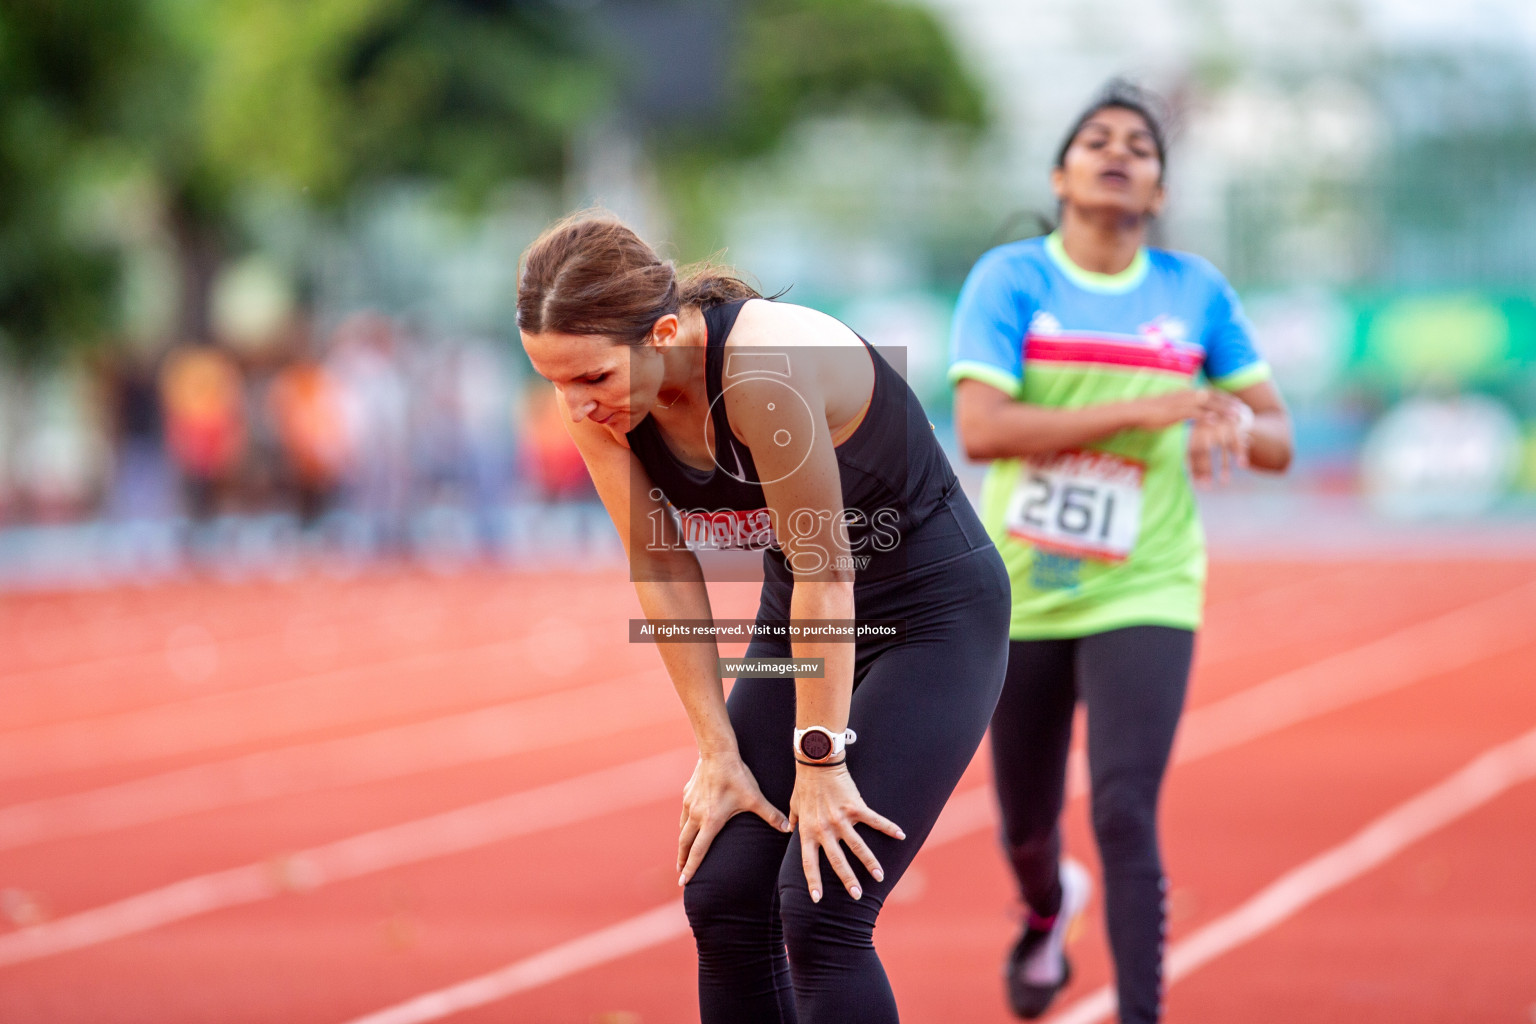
[(815, 745)]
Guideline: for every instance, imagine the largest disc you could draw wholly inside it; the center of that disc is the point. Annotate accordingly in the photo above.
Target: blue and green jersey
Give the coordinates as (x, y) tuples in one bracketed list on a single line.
[(1106, 536)]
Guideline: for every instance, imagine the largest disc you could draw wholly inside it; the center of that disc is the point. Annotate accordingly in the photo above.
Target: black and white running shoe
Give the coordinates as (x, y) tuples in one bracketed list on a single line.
[(1038, 967)]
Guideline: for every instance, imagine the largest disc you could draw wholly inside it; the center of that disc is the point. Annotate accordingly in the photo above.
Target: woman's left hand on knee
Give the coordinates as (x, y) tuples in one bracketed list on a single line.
[(826, 806)]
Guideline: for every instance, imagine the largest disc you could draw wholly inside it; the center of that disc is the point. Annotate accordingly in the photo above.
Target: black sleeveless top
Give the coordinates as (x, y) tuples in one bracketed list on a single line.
[(894, 472)]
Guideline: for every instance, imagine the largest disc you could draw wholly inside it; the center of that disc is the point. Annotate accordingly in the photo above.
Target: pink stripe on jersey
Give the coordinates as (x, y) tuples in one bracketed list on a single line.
[(1107, 352)]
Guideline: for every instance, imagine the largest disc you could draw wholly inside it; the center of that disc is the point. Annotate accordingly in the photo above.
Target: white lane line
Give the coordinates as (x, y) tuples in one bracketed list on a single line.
[(83, 692), (466, 828), (324, 700), (187, 724), (153, 623), (1493, 773), (1494, 626), (1450, 641), (1228, 632), (352, 604), (966, 812), (633, 935), (974, 810), (1454, 641), (516, 727)]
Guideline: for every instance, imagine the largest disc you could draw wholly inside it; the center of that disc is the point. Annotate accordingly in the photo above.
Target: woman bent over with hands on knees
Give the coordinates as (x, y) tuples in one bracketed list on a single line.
[(703, 410), (1076, 357)]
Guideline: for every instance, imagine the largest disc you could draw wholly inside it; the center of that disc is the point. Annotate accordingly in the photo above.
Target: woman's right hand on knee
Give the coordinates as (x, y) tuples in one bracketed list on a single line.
[(721, 787)]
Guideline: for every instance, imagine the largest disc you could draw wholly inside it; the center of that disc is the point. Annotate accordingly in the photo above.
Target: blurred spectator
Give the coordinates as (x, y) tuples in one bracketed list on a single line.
[(59, 453), (462, 432), (484, 407), (306, 407), (205, 424), (375, 412), (554, 466), (142, 484)]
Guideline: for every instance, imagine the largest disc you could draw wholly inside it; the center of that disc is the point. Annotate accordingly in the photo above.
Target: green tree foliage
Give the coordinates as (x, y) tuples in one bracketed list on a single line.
[(69, 73), (200, 101), (807, 56), (325, 94), (792, 59)]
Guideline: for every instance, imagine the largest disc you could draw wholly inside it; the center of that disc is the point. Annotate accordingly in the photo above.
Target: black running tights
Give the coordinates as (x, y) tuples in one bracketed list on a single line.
[(1132, 681), (920, 708)]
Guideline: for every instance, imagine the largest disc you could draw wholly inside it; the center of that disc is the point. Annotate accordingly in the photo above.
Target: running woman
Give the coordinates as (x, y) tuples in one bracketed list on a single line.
[(1077, 360), (705, 412)]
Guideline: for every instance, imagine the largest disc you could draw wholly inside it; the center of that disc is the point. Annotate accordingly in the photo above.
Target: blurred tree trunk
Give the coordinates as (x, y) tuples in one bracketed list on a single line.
[(199, 256)]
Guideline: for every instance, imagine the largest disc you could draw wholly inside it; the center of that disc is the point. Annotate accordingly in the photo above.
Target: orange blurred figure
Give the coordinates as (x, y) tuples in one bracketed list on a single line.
[(306, 407), (205, 425), (555, 464)]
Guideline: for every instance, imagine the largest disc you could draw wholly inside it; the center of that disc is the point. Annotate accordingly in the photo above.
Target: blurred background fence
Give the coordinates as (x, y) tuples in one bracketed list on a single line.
[(258, 257)]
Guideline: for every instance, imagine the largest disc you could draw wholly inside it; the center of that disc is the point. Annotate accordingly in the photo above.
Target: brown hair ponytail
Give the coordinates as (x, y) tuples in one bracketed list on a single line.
[(710, 284), (590, 274)]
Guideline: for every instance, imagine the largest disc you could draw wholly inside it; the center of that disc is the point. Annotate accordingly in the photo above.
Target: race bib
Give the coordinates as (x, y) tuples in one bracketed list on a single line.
[(1079, 503), (728, 529)]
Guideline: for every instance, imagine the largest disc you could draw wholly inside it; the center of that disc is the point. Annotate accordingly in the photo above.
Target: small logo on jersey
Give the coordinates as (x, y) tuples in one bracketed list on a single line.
[(1165, 332), (1044, 323), (1051, 571), (741, 471)]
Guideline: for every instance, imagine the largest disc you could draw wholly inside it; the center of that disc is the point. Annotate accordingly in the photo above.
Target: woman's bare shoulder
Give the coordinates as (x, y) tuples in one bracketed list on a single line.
[(773, 324)]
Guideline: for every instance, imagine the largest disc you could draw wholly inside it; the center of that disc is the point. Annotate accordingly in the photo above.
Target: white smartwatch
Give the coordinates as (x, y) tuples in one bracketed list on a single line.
[(1244, 419), (816, 744)]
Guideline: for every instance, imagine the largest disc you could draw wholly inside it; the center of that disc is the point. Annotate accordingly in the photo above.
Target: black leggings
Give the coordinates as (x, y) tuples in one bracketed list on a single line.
[(1132, 681), (920, 708)]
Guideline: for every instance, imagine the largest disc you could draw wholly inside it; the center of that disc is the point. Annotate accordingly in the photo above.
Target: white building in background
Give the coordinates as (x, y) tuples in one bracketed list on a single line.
[(1266, 97), (1284, 136)]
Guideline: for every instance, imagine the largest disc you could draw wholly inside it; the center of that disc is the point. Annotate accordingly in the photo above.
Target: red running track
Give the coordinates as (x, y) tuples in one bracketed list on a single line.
[(231, 803)]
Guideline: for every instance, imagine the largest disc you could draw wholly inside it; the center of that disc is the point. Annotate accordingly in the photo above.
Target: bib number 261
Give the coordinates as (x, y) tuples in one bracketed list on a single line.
[(1080, 503)]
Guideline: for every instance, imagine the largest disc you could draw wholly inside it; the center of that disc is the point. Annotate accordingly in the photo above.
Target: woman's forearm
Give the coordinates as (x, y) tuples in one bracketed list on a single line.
[(694, 667), (1010, 430), (1269, 441), (824, 701)]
